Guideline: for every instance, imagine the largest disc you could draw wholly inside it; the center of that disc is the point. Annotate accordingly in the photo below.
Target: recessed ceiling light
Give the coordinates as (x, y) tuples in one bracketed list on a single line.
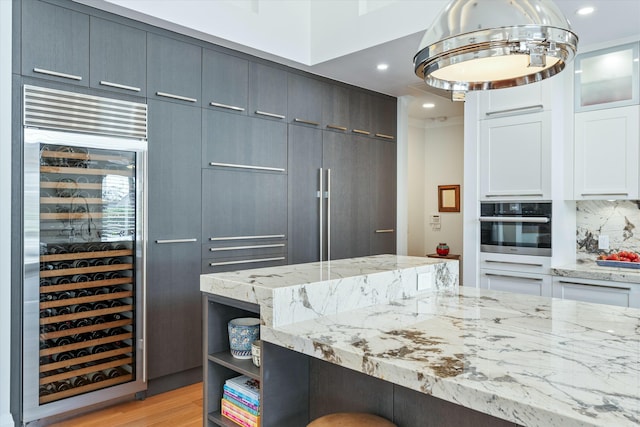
[(585, 10), (383, 67), (428, 105)]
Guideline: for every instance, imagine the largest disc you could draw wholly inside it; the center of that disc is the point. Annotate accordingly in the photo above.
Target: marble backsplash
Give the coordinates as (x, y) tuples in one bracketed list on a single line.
[(616, 219)]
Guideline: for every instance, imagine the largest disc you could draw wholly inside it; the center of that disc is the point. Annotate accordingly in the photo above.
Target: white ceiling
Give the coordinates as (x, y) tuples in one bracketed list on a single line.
[(612, 20)]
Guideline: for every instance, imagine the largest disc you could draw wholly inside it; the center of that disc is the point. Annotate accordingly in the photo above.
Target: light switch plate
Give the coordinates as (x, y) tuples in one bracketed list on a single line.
[(603, 242), (426, 281)]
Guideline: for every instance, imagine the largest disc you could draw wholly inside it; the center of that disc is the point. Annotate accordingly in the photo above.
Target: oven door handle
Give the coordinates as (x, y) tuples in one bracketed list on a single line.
[(531, 219)]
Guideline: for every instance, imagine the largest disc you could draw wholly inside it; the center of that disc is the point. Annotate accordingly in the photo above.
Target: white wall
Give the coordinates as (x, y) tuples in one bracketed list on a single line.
[(435, 157), (5, 212), (444, 165), (416, 189)]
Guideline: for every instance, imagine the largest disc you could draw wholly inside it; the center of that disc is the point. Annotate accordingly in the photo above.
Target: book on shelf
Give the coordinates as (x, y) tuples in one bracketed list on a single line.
[(247, 400), (237, 415), (242, 404), (245, 386)]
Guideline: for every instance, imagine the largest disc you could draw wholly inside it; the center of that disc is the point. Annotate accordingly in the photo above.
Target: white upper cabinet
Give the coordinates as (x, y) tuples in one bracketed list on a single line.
[(607, 78), (515, 157), (606, 153), (525, 99)]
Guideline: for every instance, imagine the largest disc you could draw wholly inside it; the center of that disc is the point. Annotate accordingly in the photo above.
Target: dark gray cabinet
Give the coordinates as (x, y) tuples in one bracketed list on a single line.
[(174, 319), (383, 196), (304, 100), (305, 175), (55, 43), (225, 82), (360, 112), (267, 92), (385, 113), (174, 70), (243, 142), (240, 203), (335, 108), (244, 219), (118, 57), (347, 160)]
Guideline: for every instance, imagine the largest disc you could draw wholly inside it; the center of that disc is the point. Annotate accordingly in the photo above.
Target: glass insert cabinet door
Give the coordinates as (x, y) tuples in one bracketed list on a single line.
[(607, 78), (87, 269)]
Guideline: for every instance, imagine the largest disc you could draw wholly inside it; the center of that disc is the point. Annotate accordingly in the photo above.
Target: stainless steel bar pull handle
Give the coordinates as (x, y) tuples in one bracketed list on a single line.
[(328, 214), (274, 115), (382, 135), (178, 97), (228, 107), (604, 194), (57, 74), (361, 132), (245, 261), (386, 230), (336, 127), (515, 263), (535, 279), (530, 219), (566, 282), (167, 241), (515, 195), (232, 165), (238, 248), (306, 122), (119, 86), (528, 108), (320, 197), (266, 236)]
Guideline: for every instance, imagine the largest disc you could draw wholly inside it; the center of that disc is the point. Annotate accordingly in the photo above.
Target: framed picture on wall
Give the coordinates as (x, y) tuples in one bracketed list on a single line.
[(448, 198)]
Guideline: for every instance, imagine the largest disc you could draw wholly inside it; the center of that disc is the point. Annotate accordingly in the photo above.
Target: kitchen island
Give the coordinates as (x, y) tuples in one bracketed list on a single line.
[(526, 360)]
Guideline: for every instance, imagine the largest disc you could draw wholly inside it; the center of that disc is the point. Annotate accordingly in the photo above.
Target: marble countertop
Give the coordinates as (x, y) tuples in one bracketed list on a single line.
[(591, 270), (531, 360), (293, 293)]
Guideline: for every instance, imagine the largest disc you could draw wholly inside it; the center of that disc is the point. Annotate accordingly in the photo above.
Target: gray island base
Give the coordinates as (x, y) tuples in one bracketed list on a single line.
[(423, 352)]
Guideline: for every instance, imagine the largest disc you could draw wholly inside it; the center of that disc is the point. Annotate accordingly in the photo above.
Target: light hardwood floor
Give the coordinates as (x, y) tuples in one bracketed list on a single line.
[(176, 408)]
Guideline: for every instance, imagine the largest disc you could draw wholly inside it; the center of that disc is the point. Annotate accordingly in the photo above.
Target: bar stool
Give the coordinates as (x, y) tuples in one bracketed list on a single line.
[(351, 419)]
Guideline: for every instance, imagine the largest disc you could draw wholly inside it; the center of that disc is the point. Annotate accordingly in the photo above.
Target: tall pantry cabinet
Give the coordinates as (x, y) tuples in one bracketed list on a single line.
[(238, 148)]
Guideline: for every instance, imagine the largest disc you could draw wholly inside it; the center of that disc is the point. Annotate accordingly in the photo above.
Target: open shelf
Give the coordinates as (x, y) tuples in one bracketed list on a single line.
[(242, 366), (217, 418)]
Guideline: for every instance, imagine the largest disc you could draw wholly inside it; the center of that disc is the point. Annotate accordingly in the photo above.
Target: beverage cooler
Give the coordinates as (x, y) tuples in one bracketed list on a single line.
[(84, 251)]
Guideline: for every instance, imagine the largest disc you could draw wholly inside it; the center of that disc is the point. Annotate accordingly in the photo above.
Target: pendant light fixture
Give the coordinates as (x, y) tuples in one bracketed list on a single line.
[(493, 44)]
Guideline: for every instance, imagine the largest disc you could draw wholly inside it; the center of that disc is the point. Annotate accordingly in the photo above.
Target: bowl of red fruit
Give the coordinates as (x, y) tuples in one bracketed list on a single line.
[(623, 259)]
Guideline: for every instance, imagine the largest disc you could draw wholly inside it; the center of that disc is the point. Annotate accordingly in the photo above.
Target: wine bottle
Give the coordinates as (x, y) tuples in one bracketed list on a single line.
[(116, 331), (96, 377), (45, 282), (80, 278), (81, 323), (60, 280), (84, 293), (63, 326), (47, 297), (100, 305), (65, 355), (80, 263), (81, 337), (82, 353), (63, 341), (115, 372), (48, 312), (60, 386), (46, 389), (79, 381), (100, 348), (66, 295), (98, 276), (81, 308)]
